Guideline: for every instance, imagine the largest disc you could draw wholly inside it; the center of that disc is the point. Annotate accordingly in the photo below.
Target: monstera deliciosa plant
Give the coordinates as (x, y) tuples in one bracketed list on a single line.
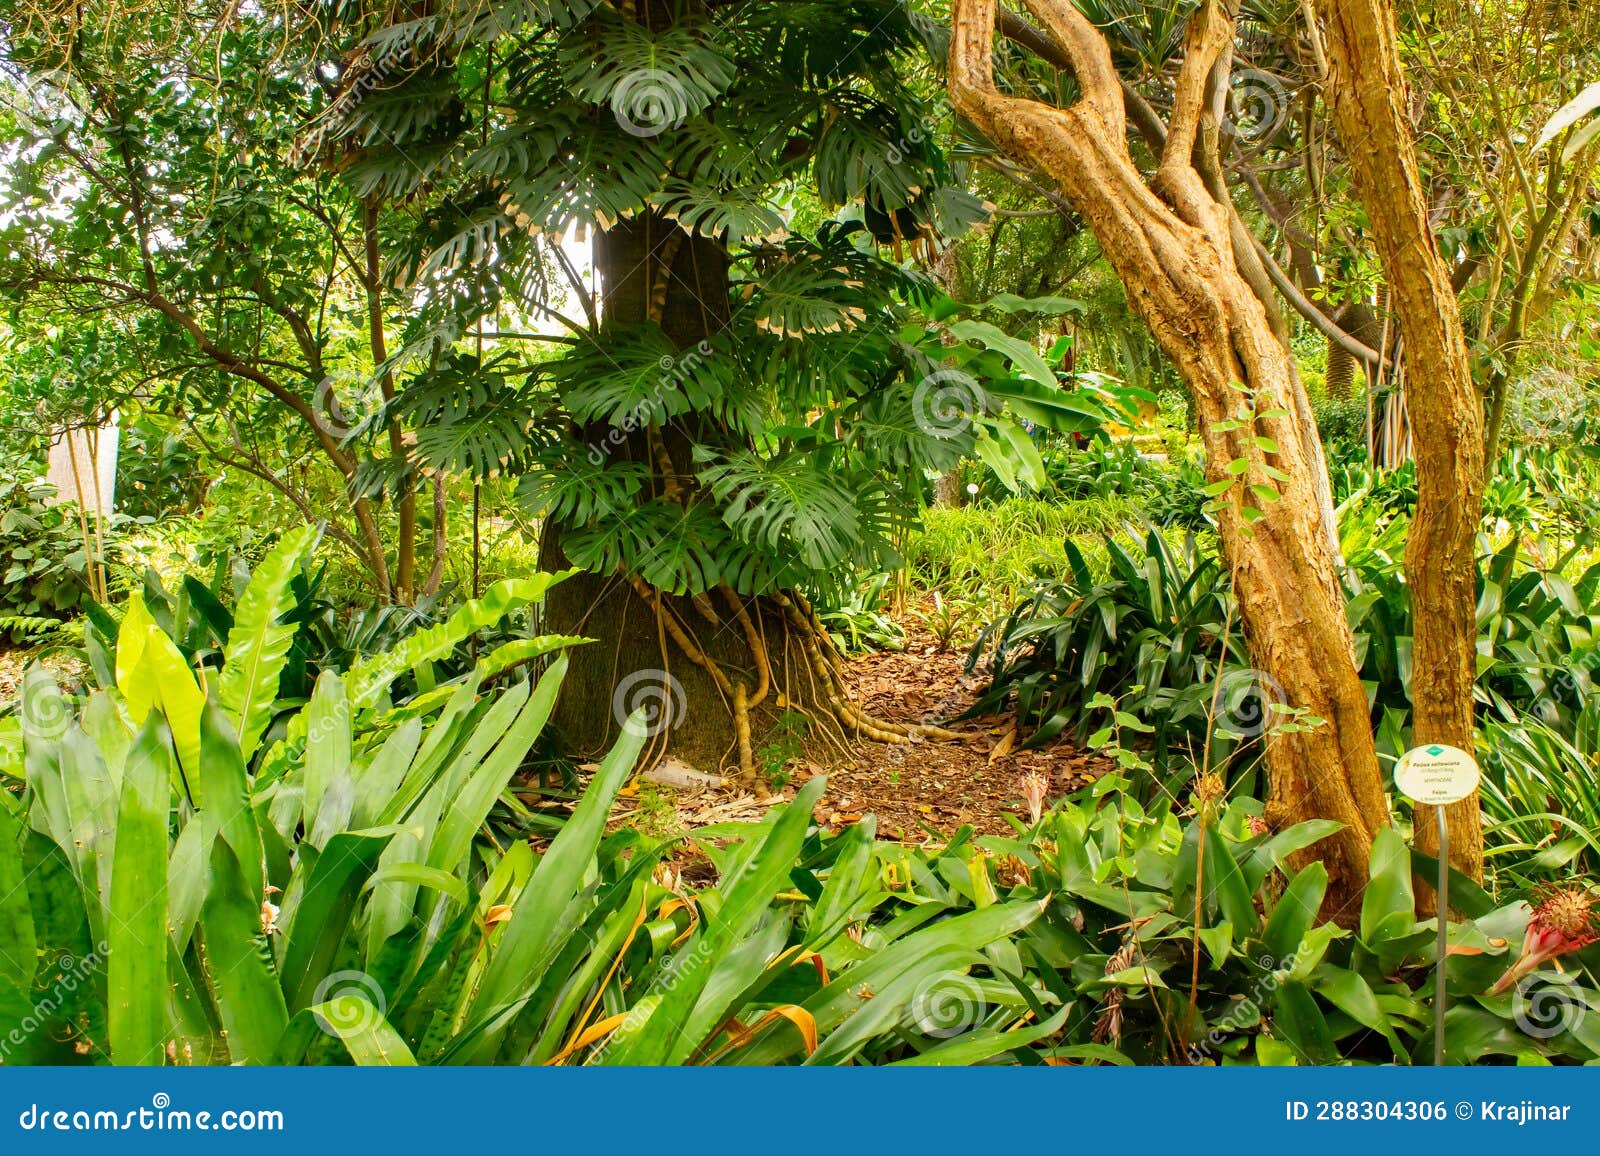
[(748, 406)]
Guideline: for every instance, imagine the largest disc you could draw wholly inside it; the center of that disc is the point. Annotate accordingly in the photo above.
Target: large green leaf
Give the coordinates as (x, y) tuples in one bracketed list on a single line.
[(17, 943), (239, 962), (228, 812), (470, 807), (543, 911), (1295, 913), (136, 932), (364, 1032), (328, 757), (370, 677), (1388, 906), (257, 648), (323, 909)]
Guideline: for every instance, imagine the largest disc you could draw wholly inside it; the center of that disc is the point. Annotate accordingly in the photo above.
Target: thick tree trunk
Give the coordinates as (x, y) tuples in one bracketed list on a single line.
[(1171, 244), (715, 670), (1368, 93), (649, 269)]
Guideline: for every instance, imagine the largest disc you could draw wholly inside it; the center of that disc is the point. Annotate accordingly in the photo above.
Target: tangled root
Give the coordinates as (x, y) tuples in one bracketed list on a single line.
[(825, 664)]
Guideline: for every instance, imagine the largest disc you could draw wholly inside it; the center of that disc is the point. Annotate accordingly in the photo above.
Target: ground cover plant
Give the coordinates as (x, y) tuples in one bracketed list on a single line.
[(883, 532)]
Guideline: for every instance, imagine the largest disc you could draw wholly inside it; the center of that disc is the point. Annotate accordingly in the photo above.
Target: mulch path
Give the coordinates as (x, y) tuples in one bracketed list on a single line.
[(926, 790), (919, 791)]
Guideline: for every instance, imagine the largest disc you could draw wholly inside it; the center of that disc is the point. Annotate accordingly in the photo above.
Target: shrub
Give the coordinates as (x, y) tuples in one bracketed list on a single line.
[(46, 565), (1150, 633)]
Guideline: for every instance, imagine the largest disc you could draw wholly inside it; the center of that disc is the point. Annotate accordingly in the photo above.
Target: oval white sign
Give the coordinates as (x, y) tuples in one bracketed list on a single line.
[(1436, 774)]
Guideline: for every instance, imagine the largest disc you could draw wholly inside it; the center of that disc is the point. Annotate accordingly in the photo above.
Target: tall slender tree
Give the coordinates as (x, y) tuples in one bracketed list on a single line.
[(1371, 107), (1191, 273)]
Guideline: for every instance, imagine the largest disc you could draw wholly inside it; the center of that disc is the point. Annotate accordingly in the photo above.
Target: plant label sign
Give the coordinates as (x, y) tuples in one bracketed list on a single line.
[(1436, 774)]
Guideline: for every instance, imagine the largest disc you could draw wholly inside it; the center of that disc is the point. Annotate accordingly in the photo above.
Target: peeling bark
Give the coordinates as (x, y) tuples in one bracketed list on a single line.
[(1369, 98), (1171, 241)]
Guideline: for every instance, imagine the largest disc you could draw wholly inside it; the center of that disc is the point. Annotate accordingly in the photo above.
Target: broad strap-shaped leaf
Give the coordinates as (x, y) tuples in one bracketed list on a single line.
[(17, 941), (323, 908), (136, 932), (226, 789), (529, 940), (369, 678), (762, 869), (258, 644), (328, 774), (152, 674), (363, 1030), (239, 962), (470, 808)]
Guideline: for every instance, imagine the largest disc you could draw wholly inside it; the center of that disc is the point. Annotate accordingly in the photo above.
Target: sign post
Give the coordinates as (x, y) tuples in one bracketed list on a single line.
[(1438, 775)]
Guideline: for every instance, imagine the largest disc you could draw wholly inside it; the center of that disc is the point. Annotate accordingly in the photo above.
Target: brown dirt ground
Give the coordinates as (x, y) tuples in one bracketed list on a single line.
[(919, 791)]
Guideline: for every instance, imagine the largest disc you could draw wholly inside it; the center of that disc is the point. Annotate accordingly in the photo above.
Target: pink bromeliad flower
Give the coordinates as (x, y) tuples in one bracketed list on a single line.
[(1563, 922)]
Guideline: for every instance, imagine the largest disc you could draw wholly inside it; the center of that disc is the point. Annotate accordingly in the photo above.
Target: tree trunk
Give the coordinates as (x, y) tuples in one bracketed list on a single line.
[(1368, 93), (1171, 244), (715, 670), (649, 270)]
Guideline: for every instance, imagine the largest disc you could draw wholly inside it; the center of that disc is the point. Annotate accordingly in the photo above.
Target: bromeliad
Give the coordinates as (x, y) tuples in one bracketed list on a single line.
[(1562, 922)]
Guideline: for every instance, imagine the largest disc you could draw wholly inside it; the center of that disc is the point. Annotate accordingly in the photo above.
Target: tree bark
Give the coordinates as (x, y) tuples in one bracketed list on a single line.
[(1368, 92), (1171, 242), (649, 269)]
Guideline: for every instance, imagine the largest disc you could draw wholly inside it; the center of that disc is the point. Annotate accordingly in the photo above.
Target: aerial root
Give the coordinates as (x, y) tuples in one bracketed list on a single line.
[(823, 662)]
